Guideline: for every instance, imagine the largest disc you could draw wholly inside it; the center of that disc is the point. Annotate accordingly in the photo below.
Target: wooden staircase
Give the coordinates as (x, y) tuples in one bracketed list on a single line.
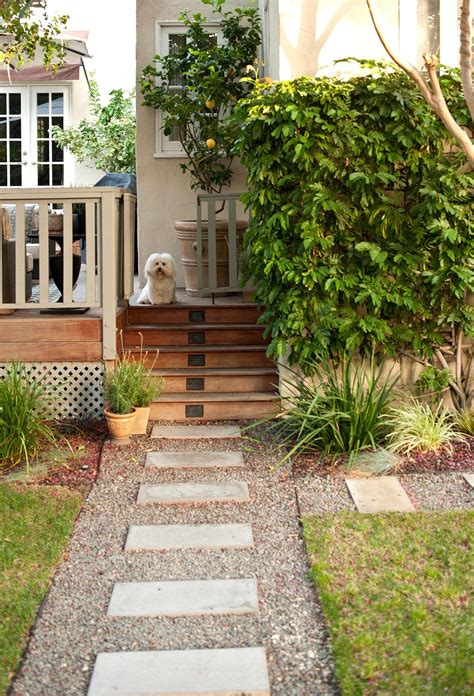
[(212, 358)]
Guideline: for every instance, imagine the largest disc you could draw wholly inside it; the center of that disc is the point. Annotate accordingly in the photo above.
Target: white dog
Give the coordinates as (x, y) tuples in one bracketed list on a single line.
[(160, 271)]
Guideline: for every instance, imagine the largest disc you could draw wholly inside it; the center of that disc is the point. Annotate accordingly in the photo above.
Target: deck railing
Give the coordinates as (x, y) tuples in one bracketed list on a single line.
[(210, 259), (106, 266)]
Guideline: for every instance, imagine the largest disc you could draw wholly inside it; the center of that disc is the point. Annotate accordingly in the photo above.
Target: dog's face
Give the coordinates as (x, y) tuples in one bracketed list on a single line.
[(160, 266)]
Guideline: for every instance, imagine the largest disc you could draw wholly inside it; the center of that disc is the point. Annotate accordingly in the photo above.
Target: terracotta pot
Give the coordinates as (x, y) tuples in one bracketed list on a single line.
[(141, 420), (120, 426), (187, 236)]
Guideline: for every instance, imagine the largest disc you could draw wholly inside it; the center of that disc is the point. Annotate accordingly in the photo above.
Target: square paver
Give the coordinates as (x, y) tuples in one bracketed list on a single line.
[(380, 494), (224, 672), (193, 460), (179, 493), (470, 479), (195, 432), (165, 537), (184, 598)]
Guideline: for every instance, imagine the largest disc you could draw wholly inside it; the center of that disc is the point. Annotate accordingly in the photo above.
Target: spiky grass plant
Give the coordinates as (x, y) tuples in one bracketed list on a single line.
[(416, 426), (339, 409), (25, 413), (464, 421)]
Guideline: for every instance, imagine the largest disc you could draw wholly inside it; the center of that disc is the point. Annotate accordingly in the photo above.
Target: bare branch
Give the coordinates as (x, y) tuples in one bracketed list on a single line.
[(432, 92), (465, 54)]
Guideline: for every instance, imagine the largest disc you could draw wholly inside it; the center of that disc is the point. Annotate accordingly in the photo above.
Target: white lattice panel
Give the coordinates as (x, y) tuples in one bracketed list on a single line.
[(77, 388)]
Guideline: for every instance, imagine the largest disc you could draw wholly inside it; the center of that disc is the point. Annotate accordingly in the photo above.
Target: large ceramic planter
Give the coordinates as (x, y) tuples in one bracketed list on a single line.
[(141, 420), (120, 426), (187, 236)]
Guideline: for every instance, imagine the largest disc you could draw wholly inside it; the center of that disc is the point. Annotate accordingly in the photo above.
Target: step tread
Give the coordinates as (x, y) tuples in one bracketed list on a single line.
[(208, 348), (189, 326), (215, 371), (202, 396), (219, 672)]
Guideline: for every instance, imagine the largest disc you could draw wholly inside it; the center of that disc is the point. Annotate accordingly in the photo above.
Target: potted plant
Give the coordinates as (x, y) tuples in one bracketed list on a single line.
[(196, 88), (120, 411), (147, 388)]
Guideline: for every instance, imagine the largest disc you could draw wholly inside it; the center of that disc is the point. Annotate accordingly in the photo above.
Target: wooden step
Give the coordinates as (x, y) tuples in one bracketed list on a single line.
[(197, 335), (193, 314), (211, 406), (219, 380), (206, 356)]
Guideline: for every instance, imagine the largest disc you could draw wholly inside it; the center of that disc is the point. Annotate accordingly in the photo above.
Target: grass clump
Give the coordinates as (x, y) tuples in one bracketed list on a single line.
[(397, 594), (338, 409), (35, 524), (415, 426), (24, 415), (464, 421)]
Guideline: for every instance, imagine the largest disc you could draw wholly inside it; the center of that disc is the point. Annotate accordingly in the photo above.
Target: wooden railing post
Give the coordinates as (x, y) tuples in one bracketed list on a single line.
[(109, 251)]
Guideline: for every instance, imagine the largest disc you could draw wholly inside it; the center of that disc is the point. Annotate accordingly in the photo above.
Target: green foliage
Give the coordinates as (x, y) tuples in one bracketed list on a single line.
[(433, 381), (362, 223), (108, 139), (417, 427), (148, 386), (338, 409), (198, 84), (24, 413), (120, 387), (27, 31)]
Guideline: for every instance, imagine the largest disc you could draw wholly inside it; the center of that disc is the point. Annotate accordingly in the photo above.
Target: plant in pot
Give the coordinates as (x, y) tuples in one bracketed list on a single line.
[(196, 87), (148, 387), (120, 411)]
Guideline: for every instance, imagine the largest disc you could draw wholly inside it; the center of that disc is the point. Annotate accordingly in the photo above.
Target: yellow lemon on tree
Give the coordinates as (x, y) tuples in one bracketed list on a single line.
[(210, 104), (211, 143)]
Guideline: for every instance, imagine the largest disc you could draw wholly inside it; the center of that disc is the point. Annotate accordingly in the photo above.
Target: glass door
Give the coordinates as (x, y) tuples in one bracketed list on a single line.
[(14, 136), (28, 155)]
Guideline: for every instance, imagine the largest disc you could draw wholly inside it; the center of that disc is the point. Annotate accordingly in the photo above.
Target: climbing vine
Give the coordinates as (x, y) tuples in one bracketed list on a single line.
[(362, 223)]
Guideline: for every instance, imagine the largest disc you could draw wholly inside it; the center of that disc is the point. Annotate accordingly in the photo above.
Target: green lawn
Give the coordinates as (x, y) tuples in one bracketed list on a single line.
[(35, 525), (397, 591)]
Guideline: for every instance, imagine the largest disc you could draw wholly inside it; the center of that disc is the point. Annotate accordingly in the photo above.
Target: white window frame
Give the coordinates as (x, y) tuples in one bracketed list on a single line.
[(449, 32), (164, 147)]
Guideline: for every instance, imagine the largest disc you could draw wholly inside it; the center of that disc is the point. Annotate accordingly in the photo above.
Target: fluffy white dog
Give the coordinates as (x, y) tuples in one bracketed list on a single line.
[(160, 271)]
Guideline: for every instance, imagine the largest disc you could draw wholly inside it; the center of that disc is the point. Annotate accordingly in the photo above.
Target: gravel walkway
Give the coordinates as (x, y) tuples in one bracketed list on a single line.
[(73, 628)]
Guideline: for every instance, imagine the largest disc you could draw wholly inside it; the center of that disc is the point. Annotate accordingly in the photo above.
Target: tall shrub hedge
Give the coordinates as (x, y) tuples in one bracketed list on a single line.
[(362, 222)]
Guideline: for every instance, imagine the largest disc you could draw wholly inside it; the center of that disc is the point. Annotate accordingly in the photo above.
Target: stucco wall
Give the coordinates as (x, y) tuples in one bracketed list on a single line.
[(164, 194)]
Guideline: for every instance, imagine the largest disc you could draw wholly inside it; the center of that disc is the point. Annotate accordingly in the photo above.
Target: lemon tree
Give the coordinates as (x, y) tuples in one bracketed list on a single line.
[(209, 74)]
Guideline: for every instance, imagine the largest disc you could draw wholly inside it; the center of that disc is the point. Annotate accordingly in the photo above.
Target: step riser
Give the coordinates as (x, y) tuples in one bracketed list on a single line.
[(222, 384), (181, 360), (183, 315), (221, 410), (193, 337)]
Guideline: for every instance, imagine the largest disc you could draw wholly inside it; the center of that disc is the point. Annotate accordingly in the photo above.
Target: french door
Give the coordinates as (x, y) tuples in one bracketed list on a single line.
[(28, 155)]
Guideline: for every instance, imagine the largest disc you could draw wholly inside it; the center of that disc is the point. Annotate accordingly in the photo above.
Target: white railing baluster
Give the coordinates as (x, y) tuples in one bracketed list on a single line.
[(20, 254), (90, 252), (232, 228), (211, 243), (67, 253), (43, 239)]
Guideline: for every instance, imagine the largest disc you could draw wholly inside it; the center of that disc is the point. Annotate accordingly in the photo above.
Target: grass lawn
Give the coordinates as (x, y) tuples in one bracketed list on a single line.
[(35, 525), (397, 591)]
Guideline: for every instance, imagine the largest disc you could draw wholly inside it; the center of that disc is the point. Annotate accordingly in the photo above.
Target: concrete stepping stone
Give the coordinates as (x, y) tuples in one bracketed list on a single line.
[(200, 432), (184, 598), (193, 460), (470, 479), (178, 493), (167, 537), (224, 672), (381, 494)]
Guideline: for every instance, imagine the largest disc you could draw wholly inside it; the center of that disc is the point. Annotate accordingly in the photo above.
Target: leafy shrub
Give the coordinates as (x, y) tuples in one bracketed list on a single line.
[(24, 414), (362, 224), (417, 427), (432, 380), (338, 409)]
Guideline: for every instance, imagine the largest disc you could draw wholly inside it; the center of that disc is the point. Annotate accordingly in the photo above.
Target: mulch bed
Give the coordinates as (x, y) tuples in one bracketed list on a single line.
[(81, 468), (459, 458)]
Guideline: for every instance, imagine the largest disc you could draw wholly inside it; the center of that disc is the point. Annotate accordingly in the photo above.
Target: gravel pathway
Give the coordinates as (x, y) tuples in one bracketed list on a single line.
[(73, 627)]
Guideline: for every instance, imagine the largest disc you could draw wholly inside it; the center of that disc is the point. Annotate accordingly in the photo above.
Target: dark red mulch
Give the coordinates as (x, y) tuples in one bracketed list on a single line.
[(80, 469), (461, 458)]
